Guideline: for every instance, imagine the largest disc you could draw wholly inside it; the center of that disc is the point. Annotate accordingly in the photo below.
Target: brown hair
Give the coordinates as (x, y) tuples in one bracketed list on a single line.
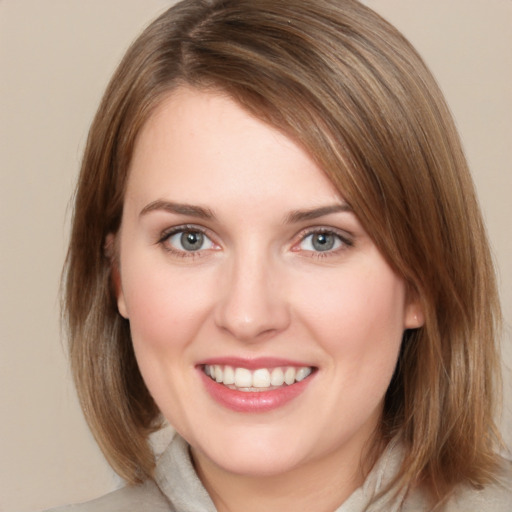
[(353, 92)]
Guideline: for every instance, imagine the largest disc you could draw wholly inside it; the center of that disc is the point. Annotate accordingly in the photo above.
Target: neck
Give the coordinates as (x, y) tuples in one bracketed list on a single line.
[(321, 485)]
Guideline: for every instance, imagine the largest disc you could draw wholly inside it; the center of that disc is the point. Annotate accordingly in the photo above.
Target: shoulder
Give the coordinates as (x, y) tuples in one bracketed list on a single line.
[(496, 497), (140, 498)]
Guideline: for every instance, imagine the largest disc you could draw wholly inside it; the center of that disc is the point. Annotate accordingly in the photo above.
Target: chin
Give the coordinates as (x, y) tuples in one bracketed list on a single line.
[(250, 454)]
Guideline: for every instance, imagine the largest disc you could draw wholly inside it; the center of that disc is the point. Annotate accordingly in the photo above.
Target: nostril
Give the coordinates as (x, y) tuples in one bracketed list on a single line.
[(248, 307)]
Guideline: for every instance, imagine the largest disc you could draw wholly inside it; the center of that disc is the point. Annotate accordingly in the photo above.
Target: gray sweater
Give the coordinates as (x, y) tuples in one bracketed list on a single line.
[(178, 489)]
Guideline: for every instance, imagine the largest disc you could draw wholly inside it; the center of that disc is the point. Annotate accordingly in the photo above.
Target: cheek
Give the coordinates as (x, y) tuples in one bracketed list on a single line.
[(358, 316), (164, 307)]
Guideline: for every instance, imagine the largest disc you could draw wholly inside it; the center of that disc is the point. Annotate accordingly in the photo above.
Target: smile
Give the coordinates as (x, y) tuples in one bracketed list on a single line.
[(257, 380)]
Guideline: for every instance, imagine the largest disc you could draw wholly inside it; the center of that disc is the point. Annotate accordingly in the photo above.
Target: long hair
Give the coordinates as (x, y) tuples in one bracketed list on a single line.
[(351, 90)]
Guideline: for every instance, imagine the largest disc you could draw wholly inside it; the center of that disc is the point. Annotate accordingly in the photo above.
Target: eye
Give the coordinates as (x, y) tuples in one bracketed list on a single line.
[(323, 241), (186, 240)]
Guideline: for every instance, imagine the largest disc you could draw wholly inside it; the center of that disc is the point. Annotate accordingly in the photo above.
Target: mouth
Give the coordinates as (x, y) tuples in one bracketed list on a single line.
[(258, 379)]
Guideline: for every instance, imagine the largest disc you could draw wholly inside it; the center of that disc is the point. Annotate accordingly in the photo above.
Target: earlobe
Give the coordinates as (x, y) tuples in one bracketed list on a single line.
[(118, 289), (115, 275), (414, 316)]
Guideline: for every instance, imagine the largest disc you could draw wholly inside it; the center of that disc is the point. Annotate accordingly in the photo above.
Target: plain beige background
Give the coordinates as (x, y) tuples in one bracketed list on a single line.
[(55, 59)]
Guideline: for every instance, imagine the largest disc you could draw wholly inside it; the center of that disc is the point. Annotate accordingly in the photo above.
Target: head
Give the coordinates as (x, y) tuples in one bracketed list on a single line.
[(348, 89)]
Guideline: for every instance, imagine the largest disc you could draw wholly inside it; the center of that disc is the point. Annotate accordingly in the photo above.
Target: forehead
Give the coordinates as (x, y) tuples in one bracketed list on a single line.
[(203, 146)]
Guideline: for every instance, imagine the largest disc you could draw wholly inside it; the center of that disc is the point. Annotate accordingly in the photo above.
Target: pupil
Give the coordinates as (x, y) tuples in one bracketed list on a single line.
[(323, 242), (192, 240)]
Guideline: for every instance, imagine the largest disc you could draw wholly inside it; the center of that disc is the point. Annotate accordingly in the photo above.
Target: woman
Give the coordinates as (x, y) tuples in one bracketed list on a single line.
[(277, 248)]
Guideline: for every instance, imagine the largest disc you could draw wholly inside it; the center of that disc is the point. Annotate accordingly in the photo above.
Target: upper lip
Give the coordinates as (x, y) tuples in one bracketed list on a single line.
[(253, 363)]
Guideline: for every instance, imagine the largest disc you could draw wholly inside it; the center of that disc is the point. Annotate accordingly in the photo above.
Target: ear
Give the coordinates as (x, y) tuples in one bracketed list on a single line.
[(414, 316), (111, 252)]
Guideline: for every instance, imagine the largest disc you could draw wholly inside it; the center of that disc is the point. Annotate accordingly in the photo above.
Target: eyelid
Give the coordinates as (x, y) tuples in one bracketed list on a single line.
[(346, 238), (166, 234)]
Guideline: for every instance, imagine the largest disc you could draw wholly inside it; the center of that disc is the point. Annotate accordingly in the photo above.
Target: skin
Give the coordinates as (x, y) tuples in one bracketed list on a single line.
[(257, 287)]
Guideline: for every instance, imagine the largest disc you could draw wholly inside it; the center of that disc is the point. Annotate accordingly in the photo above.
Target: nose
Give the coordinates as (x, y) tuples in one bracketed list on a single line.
[(252, 303)]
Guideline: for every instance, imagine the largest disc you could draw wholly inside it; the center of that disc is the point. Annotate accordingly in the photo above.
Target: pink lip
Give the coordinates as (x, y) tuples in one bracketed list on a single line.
[(253, 401), (252, 364)]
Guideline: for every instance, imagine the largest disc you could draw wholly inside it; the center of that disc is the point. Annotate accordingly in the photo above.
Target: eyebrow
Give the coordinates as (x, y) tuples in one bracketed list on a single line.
[(293, 217), (314, 213), (179, 208)]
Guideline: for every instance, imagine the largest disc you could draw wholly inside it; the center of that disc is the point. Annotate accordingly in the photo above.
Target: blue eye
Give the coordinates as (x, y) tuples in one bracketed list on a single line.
[(322, 242), (188, 240)]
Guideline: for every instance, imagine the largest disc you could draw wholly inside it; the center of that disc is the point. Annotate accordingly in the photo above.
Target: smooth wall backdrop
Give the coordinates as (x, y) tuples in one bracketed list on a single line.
[(56, 57)]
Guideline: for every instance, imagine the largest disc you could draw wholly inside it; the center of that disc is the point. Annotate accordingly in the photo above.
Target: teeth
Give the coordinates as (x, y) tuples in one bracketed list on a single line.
[(289, 375), (229, 375), (243, 377), (277, 377), (302, 373), (262, 378)]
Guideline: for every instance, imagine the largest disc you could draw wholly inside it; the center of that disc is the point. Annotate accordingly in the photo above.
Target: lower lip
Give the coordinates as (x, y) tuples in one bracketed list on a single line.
[(253, 401)]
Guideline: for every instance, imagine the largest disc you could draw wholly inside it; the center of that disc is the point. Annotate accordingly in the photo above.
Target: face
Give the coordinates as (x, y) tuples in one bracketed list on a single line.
[(265, 322)]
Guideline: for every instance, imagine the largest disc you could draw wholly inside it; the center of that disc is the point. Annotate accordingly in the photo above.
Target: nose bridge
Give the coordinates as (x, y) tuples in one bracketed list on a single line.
[(250, 304)]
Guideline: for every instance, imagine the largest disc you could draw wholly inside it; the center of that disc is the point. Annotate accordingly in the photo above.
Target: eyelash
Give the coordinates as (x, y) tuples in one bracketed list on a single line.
[(168, 234), (344, 240)]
